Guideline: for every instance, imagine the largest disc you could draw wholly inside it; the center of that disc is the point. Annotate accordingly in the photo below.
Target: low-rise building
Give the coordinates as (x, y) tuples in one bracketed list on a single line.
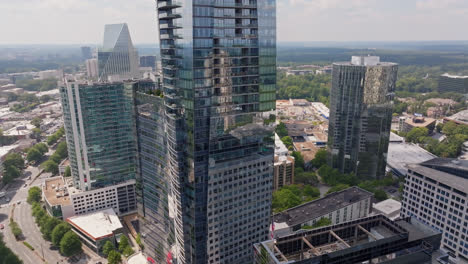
[(347, 205), (63, 201), (390, 208), (374, 239), (460, 118), (418, 121), (95, 229)]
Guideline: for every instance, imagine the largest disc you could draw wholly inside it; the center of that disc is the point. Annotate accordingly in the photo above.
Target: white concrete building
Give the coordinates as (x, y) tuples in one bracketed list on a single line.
[(390, 208), (92, 68), (96, 228), (64, 201), (436, 193)]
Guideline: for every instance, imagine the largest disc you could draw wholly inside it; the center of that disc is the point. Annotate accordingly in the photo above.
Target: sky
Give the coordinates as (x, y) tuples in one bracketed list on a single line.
[(82, 21)]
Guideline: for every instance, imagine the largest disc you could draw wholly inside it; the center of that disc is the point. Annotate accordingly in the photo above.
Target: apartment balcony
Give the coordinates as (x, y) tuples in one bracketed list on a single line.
[(169, 15), (165, 5), (170, 26)]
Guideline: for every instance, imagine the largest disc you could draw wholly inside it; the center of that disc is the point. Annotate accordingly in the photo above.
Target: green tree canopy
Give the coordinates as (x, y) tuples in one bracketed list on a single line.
[(58, 232), (50, 166), (42, 147), (123, 243), (15, 160), (320, 158), (108, 247), (281, 130), (114, 257), (298, 159), (34, 155), (6, 255), (67, 172), (34, 194), (48, 226), (287, 141), (284, 199), (36, 122), (417, 134), (70, 244), (380, 195)]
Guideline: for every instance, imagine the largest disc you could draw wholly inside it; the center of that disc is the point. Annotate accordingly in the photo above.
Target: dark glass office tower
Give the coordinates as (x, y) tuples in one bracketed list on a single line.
[(219, 82), (156, 221), (361, 115)]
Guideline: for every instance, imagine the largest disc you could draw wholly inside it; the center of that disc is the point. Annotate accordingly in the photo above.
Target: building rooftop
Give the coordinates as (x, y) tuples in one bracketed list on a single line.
[(401, 154), (396, 138), (280, 148), (460, 117), (364, 61), (352, 241), (448, 179), (56, 192), (97, 225), (317, 208), (419, 121), (454, 76), (6, 149), (388, 207)]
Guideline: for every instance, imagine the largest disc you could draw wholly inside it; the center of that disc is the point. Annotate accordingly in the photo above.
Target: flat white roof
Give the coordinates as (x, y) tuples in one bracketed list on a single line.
[(388, 206), (97, 225), (454, 76), (5, 149)]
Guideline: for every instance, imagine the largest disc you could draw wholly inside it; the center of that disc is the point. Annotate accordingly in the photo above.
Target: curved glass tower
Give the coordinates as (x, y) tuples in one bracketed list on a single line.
[(219, 81)]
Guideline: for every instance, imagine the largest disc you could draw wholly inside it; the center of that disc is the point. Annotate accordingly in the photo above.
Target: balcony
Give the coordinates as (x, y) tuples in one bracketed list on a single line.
[(165, 5), (169, 15), (170, 36), (170, 26)]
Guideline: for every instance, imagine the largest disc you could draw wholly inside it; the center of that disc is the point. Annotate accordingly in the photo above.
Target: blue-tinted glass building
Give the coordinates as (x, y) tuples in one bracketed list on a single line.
[(219, 83)]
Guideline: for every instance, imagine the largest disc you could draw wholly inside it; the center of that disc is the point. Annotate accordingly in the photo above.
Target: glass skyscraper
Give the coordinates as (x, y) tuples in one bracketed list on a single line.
[(100, 133), (361, 115), (117, 58), (219, 84)]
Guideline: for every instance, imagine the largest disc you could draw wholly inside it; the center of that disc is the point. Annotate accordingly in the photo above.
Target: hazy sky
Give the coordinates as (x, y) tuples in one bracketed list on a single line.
[(82, 21)]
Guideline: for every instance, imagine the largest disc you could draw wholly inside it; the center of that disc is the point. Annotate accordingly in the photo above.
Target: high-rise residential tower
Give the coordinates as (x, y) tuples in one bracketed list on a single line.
[(117, 59), (100, 132), (361, 115), (219, 84)]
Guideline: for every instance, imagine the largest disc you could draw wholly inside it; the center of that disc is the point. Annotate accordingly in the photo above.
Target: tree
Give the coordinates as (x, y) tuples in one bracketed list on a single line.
[(417, 134), (50, 166), (70, 244), (320, 158), (12, 172), (42, 147), (128, 251), (6, 255), (311, 192), (284, 199), (34, 155), (380, 195), (123, 243), (36, 122), (114, 257), (67, 172), (36, 133), (281, 130), (16, 230), (14, 159), (298, 159), (34, 194), (138, 240), (58, 232), (288, 142), (108, 247), (61, 150), (449, 128), (307, 178), (48, 226)]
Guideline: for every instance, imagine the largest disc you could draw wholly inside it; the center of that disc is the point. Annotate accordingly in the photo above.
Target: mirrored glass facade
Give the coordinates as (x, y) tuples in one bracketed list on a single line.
[(219, 81), (100, 133), (360, 116)]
